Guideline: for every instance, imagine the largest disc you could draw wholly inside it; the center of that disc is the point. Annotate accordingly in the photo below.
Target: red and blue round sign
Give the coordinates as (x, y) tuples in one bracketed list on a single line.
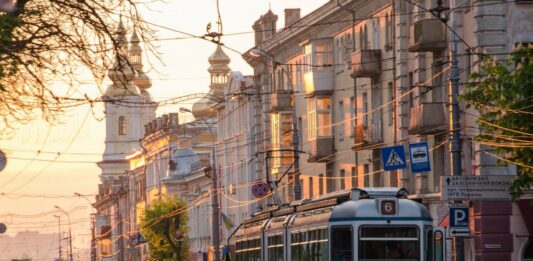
[(260, 189)]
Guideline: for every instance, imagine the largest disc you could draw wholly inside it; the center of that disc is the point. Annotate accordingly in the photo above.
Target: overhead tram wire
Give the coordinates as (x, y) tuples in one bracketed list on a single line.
[(48, 132), (50, 163)]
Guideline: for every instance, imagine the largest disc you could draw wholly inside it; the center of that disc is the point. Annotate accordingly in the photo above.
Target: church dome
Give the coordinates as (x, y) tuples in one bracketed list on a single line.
[(219, 61), (142, 80), (202, 109)]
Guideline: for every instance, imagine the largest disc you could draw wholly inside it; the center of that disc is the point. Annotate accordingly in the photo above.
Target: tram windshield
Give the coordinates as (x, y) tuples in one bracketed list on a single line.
[(389, 243)]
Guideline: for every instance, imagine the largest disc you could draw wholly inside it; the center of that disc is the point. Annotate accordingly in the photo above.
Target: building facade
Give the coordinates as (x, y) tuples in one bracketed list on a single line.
[(353, 77), (128, 107)]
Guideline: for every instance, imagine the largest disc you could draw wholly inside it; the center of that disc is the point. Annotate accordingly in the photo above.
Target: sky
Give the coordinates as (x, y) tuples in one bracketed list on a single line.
[(34, 182)]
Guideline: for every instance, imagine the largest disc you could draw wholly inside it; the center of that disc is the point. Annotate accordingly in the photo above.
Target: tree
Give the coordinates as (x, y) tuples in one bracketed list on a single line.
[(503, 93), (164, 226), (43, 42)]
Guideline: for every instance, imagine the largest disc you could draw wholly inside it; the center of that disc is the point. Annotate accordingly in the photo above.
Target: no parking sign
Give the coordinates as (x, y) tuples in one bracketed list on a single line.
[(260, 189)]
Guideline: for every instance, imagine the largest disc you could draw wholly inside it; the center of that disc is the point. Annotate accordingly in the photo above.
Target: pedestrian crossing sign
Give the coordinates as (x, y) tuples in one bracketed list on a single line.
[(393, 158)]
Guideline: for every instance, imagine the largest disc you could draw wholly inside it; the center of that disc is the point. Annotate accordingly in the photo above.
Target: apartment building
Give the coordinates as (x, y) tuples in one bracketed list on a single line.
[(353, 77)]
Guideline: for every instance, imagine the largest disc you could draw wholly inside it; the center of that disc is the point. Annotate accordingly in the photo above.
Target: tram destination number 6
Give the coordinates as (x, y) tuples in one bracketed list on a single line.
[(388, 207)]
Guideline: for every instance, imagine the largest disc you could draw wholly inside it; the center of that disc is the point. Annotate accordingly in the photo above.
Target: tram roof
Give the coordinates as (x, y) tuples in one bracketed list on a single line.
[(369, 209)]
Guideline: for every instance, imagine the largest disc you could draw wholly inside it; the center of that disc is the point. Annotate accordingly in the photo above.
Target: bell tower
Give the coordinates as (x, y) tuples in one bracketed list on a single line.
[(128, 106)]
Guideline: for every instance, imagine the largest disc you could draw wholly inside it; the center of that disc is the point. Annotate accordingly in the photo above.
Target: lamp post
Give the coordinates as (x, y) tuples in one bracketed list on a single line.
[(69, 231), (93, 233), (59, 233), (295, 139), (215, 206)]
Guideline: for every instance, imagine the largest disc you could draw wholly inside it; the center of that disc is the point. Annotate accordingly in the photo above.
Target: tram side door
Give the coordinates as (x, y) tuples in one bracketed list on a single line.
[(439, 244)]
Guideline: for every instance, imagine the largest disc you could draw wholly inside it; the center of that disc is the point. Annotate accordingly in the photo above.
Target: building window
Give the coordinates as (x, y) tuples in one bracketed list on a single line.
[(319, 117), (365, 109), (122, 126), (391, 103), (321, 184), (330, 181), (349, 47), (342, 121), (311, 192), (352, 116), (342, 180), (339, 66), (354, 178), (281, 126), (366, 179)]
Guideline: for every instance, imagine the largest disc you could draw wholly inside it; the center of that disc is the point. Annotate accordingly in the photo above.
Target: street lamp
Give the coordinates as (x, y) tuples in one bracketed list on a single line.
[(69, 231), (93, 233), (297, 186), (59, 233), (215, 210)]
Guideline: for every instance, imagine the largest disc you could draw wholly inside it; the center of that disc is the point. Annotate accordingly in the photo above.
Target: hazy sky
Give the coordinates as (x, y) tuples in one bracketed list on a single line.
[(35, 186)]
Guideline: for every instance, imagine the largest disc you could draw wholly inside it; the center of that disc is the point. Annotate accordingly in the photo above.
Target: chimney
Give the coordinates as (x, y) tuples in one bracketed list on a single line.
[(258, 32), (291, 16), (268, 22)]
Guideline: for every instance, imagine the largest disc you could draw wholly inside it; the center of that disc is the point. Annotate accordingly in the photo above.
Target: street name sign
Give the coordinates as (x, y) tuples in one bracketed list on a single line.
[(419, 155), (393, 158), (459, 221), (476, 187)]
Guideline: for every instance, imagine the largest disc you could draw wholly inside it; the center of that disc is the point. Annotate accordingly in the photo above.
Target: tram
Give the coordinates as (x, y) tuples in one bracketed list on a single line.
[(366, 224)]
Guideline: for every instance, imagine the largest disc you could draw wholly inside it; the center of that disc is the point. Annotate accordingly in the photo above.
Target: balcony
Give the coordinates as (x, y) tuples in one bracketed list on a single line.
[(365, 136), (366, 63), (427, 119), (427, 35), (319, 81), (280, 100), (321, 149)]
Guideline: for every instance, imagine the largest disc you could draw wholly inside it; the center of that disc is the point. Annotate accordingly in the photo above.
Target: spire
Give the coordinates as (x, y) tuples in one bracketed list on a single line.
[(135, 54), (121, 73), (219, 71)]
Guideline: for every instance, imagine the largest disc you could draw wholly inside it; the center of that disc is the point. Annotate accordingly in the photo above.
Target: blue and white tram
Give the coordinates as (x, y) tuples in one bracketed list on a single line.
[(368, 225)]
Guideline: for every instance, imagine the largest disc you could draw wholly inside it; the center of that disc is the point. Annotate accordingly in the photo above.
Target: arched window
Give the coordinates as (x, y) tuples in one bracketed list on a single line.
[(122, 127)]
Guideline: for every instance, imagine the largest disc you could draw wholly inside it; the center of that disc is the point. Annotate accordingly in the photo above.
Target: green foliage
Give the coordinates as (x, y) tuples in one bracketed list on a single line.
[(503, 92), (159, 226)]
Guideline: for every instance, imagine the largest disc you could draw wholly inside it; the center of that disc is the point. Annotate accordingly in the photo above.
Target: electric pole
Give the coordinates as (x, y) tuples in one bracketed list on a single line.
[(455, 125)]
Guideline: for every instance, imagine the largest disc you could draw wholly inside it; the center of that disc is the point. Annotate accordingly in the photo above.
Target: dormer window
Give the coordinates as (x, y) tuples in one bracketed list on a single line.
[(122, 127)]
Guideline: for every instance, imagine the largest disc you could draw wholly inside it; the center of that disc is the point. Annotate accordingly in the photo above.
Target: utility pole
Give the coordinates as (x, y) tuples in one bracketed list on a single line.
[(69, 232), (456, 130), (59, 234), (295, 140), (216, 215), (455, 125)]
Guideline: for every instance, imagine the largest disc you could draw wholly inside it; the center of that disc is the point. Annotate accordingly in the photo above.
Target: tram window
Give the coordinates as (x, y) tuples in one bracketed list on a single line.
[(341, 243), (275, 248), (310, 245), (428, 230), (389, 243)]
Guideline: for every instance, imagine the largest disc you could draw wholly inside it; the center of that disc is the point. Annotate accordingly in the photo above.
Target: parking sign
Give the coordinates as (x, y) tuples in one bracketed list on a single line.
[(459, 221)]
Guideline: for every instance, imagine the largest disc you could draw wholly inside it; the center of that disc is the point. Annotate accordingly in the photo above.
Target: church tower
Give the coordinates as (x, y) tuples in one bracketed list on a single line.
[(128, 106), (219, 71)]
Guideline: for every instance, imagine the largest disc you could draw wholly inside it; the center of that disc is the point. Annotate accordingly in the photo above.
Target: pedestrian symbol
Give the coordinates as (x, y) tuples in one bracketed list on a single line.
[(393, 158)]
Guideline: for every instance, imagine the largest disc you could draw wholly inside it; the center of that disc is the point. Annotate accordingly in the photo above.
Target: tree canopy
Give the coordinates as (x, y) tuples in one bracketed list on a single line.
[(503, 93), (164, 227), (47, 42)]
